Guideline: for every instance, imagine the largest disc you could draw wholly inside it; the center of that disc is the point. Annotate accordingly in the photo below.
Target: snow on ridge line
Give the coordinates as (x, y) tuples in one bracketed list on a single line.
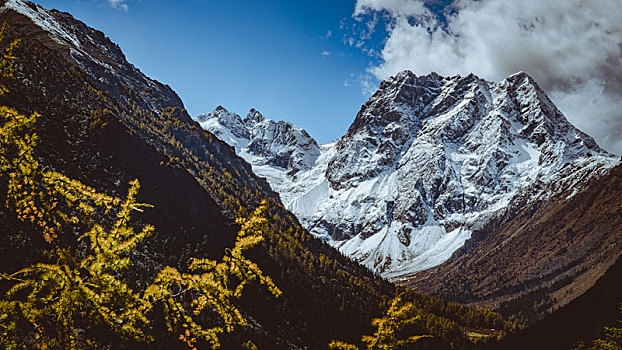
[(42, 19), (280, 144)]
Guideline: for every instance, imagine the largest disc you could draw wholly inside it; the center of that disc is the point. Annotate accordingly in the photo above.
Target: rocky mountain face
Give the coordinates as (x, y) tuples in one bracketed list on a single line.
[(105, 123), (538, 255), (281, 144), (428, 161), (97, 56)]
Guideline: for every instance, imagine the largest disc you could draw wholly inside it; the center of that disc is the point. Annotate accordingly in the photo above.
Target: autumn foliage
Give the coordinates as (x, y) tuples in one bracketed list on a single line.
[(83, 291)]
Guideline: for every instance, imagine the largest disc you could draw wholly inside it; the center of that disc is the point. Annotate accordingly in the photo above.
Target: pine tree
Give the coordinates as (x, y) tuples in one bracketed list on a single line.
[(6, 57), (60, 301), (400, 328), (397, 329)]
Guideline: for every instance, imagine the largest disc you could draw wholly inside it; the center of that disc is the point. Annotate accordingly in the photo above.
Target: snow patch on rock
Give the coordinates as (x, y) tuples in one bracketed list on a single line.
[(427, 161)]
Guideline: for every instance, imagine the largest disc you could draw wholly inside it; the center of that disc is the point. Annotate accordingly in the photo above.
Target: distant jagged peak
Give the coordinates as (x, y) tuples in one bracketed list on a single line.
[(543, 122), (226, 125), (407, 100), (253, 117), (453, 112), (527, 84), (220, 109), (407, 78), (205, 116), (224, 115), (262, 141), (521, 76)]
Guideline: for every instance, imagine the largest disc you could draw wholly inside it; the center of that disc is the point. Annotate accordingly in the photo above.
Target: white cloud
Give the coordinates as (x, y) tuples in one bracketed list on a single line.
[(118, 4), (329, 34), (366, 82), (587, 107), (394, 7), (326, 53), (573, 48)]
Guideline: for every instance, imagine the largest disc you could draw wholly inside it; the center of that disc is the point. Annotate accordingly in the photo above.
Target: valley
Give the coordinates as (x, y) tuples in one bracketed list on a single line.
[(455, 212)]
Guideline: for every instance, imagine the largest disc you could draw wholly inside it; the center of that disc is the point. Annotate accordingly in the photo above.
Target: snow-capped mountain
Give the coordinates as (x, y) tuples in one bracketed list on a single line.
[(272, 146), (427, 161)]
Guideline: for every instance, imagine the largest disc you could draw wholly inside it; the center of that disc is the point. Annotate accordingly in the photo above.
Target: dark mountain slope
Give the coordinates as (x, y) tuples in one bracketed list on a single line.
[(537, 258), (107, 127), (104, 123), (583, 318)]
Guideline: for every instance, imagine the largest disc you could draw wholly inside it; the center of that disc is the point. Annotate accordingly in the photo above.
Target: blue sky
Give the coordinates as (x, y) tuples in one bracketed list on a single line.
[(276, 56)]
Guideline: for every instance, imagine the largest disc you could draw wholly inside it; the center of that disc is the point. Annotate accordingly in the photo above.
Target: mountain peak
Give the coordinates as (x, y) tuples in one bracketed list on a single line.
[(264, 142), (520, 75), (227, 117), (425, 150), (220, 109), (253, 117), (427, 161), (226, 125)]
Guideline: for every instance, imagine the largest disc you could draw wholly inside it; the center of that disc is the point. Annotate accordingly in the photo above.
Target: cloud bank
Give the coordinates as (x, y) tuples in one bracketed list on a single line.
[(573, 48)]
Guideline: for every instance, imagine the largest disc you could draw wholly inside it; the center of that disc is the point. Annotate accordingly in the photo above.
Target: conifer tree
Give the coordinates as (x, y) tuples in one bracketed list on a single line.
[(216, 284), (6, 56), (64, 304), (400, 328)]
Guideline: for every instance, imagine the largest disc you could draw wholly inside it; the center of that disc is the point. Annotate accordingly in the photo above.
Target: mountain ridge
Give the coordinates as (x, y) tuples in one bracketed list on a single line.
[(89, 128), (429, 160)]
